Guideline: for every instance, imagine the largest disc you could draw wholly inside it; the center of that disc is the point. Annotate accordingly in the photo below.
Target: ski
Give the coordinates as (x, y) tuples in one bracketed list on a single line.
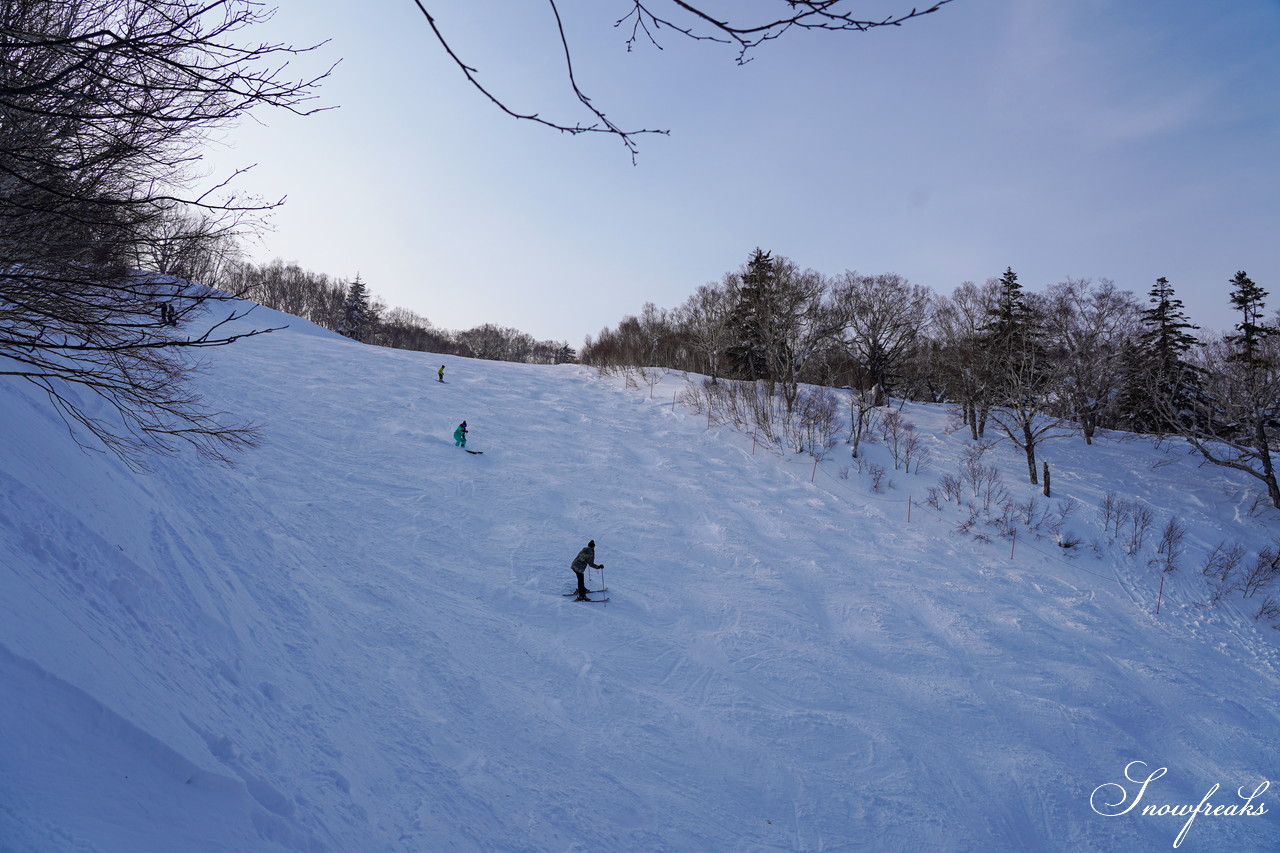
[(592, 600), (567, 594)]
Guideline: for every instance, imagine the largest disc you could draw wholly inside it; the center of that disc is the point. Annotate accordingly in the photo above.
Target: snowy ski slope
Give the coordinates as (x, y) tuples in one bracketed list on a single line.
[(354, 641)]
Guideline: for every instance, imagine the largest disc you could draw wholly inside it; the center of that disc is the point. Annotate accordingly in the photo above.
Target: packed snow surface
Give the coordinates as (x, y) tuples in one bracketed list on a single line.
[(355, 639)]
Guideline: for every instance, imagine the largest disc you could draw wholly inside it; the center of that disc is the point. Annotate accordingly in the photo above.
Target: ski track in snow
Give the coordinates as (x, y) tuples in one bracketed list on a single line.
[(355, 639)]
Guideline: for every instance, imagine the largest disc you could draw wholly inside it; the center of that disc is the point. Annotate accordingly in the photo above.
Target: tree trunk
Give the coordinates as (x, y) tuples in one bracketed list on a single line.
[(1029, 442), (1088, 425), (1264, 456)]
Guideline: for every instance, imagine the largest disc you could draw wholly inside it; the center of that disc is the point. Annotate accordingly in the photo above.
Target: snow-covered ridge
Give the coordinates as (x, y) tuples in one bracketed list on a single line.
[(355, 640)]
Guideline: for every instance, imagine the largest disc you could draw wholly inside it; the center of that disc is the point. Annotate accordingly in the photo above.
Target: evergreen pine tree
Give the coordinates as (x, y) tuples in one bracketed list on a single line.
[(356, 319), (749, 319), (1013, 338), (1168, 334), (1159, 375), (1248, 298), (1021, 372), (1011, 325)]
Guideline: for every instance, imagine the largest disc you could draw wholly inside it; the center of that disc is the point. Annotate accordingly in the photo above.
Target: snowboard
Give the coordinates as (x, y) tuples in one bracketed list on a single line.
[(474, 452)]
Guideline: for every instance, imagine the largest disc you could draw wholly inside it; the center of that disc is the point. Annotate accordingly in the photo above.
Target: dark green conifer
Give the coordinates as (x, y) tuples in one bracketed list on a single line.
[(1158, 374), (356, 320), (749, 320), (1249, 299)]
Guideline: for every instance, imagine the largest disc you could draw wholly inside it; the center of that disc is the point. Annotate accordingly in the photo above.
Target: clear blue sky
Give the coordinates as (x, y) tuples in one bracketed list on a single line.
[(1090, 139)]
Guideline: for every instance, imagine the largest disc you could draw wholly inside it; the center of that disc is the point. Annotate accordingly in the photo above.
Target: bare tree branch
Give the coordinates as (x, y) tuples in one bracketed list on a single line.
[(645, 19), (807, 14), (603, 124)]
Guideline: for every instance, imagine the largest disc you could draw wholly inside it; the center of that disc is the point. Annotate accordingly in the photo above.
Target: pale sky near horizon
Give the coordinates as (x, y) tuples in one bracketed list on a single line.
[(1086, 139)]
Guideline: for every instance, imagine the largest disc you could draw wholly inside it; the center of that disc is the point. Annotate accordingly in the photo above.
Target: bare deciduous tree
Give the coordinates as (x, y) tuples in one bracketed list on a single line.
[(103, 105), (1235, 421), (705, 316), (1090, 326), (965, 364), (882, 318)]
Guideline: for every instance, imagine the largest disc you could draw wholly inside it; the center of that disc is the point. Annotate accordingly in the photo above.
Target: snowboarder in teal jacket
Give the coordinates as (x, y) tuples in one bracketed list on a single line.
[(460, 435)]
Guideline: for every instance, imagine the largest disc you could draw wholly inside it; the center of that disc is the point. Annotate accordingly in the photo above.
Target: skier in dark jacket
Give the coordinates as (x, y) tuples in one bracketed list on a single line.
[(586, 557)]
